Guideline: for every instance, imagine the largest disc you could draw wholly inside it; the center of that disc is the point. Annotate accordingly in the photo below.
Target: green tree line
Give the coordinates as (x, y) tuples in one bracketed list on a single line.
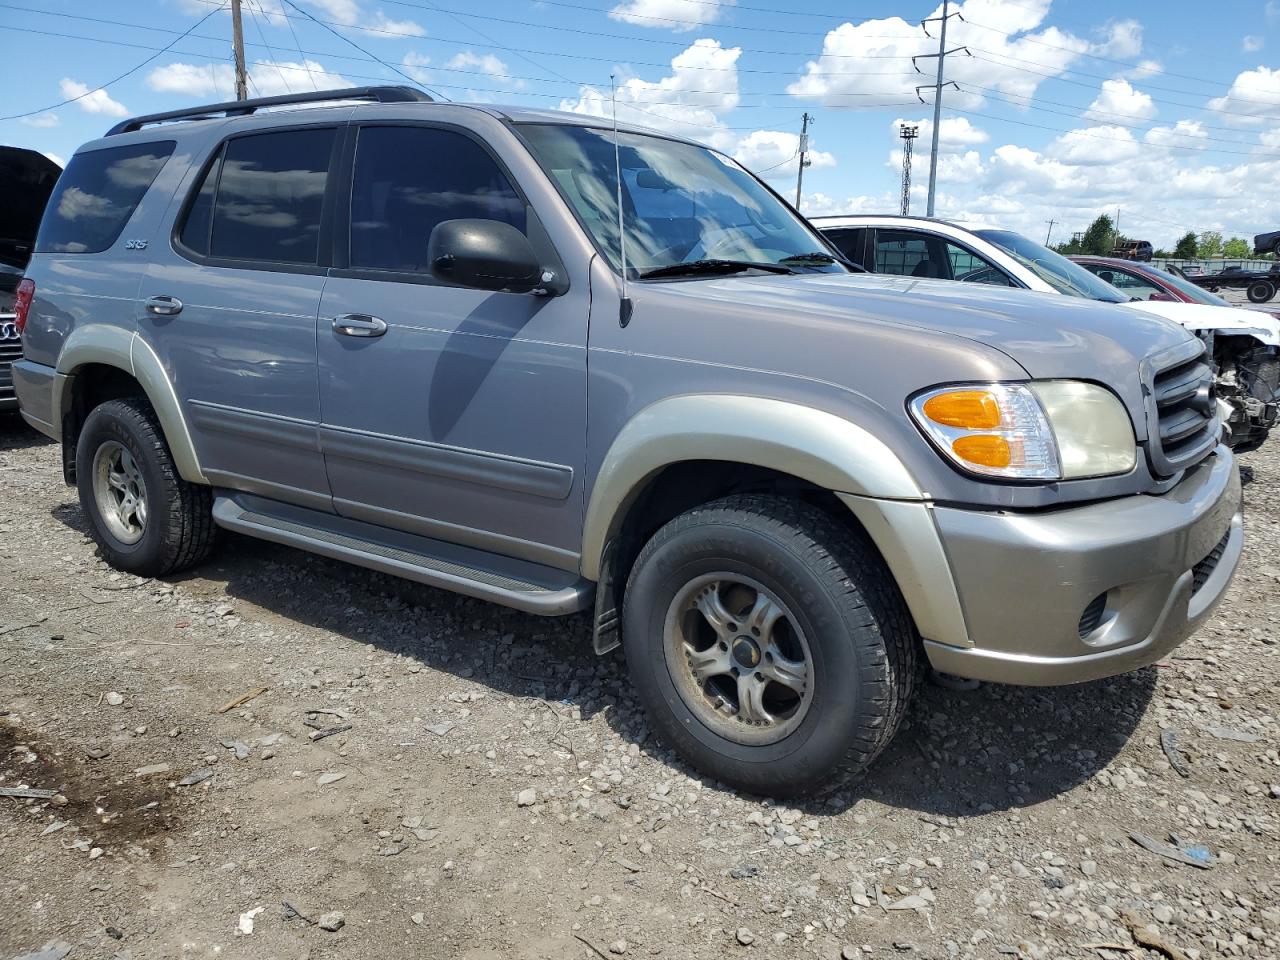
[(1102, 238)]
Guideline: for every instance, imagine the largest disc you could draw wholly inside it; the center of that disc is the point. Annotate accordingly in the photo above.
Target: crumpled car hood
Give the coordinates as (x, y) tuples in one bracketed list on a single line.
[(1233, 321)]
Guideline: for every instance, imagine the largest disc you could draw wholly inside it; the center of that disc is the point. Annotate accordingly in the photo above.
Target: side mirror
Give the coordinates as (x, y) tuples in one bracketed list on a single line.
[(484, 254)]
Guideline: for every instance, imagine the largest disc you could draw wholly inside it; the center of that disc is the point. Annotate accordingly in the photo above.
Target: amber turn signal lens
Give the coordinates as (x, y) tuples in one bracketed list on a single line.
[(967, 409), (983, 449)]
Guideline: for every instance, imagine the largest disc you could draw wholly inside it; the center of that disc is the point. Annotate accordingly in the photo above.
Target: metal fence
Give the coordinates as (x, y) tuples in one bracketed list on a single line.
[(1214, 266)]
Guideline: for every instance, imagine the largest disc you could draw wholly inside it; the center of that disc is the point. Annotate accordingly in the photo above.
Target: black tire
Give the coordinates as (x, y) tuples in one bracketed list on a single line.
[(1260, 291), (179, 531), (862, 640)]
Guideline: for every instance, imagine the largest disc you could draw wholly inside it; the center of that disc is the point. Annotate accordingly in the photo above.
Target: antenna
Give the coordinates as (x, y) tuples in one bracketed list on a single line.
[(624, 305)]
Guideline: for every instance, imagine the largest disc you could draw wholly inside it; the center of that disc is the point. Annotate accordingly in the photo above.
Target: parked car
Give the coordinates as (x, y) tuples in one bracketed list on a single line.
[(26, 180), (1248, 367), (423, 338), (1259, 285), (1134, 250), (935, 248), (1267, 243)]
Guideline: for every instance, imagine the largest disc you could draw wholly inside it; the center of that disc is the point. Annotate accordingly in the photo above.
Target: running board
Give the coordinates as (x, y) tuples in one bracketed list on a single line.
[(519, 584)]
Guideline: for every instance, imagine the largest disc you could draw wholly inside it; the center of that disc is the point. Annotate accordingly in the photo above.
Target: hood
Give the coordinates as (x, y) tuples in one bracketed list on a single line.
[(1231, 321), (1048, 335), (26, 181)]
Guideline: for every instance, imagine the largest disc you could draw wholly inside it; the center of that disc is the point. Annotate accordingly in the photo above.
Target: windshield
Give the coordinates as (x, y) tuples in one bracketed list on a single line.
[(1053, 268), (681, 203), (1196, 294)]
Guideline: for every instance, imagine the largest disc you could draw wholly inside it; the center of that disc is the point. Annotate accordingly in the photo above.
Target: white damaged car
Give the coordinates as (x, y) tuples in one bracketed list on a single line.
[(1245, 343)]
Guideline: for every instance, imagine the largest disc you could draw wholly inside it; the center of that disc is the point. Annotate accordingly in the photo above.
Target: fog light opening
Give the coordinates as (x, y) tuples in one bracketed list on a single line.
[(1091, 619)]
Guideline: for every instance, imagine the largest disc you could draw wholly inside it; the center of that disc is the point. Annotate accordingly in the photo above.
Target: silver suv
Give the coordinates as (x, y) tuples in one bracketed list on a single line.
[(537, 359)]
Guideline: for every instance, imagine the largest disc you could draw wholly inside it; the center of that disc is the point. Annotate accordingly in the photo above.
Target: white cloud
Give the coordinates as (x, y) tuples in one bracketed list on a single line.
[(415, 65), (774, 154), (1270, 139), (210, 81), (56, 158), (954, 135), (678, 15), (97, 101), (1252, 43), (404, 28), (43, 120), (343, 11), (1145, 69), (703, 84), (1095, 145), (1124, 39), (855, 69), (1254, 98), (1118, 99), (1184, 133)]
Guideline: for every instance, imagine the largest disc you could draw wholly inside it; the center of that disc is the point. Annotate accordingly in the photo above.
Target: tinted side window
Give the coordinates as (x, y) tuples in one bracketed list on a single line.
[(97, 194), (407, 180), (1125, 282), (270, 195), (195, 232), (904, 254), (968, 267), (848, 242)]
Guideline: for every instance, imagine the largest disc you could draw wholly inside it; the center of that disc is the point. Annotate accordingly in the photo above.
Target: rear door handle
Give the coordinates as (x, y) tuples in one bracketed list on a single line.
[(163, 306), (359, 325)]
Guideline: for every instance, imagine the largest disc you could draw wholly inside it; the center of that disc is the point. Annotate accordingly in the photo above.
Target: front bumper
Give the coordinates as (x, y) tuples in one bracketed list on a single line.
[(1025, 581)]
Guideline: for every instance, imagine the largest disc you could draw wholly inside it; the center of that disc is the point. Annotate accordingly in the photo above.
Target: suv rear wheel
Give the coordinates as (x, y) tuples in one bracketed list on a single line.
[(144, 516), (769, 645)]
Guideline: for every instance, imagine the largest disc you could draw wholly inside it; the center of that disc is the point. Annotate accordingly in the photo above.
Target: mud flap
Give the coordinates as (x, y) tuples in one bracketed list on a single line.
[(607, 622)]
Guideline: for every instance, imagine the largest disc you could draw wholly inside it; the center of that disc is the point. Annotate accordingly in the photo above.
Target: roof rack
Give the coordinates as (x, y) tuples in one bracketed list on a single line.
[(240, 108)]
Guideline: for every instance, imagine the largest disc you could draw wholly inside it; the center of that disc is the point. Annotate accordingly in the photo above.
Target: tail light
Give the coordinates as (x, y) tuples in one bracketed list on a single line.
[(22, 305)]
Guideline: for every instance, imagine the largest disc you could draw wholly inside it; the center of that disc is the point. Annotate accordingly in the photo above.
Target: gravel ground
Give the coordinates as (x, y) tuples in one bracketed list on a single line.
[(421, 774)]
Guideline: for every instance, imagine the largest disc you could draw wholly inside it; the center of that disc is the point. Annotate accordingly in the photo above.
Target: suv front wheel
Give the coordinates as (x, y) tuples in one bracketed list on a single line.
[(146, 519), (769, 644)]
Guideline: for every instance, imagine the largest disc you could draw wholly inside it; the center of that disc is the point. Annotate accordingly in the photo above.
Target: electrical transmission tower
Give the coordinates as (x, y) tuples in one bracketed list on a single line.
[(936, 87), (908, 134)]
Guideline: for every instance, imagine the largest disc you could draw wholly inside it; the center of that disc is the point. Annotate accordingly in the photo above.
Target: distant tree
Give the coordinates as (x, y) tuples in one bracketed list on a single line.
[(1209, 245), (1237, 248), (1100, 238), (1162, 253), (1186, 248)]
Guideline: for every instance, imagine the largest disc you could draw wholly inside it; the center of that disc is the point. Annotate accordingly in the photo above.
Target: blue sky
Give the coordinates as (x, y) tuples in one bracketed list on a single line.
[(1167, 112)]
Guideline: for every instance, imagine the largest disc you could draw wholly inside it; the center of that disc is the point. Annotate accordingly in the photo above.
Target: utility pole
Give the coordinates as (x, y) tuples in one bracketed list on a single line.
[(937, 86), (804, 155), (1050, 233), (908, 134), (237, 44)]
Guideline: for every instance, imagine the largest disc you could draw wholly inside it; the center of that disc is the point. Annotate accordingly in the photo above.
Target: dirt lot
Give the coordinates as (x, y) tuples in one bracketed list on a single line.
[(491, 789)]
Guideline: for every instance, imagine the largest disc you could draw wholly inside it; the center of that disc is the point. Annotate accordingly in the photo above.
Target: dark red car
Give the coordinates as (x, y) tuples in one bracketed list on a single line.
[(1142, 281)]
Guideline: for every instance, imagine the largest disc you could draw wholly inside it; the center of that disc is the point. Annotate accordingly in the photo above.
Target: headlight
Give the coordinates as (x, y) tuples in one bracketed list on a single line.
[(1045, 430)]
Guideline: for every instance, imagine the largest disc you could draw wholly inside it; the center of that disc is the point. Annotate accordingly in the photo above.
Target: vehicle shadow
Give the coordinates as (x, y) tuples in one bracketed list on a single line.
[(959, 754), (16, 435)]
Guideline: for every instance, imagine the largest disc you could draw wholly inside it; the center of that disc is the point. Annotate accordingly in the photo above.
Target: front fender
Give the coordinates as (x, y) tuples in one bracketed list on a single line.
[(822, 448), (125, 350)]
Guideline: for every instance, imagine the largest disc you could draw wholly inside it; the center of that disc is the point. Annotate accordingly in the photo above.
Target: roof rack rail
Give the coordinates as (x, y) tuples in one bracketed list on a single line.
[(239, 108)]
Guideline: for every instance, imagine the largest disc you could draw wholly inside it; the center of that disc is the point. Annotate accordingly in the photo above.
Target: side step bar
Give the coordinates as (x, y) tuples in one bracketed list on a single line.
[(519, 584)]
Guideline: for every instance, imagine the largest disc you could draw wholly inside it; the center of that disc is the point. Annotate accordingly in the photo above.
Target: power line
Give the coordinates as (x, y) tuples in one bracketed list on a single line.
[(132, 70), (271, 53), (393, 69)]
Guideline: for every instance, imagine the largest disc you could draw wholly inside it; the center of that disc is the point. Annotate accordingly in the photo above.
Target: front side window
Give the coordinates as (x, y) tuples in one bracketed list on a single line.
[(409, 179), (967, 267), (1053, 268), (1131, 285), (681, 203), (848, 240), (262, 198), (97, 194)]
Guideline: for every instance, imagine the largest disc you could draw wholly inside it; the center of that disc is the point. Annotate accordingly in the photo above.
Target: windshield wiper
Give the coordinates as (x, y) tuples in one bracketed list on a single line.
[(711, 266), (818, 256)]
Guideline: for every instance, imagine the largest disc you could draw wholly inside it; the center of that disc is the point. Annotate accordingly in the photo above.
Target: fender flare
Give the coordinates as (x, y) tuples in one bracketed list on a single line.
[(822, 448), (126, 351)]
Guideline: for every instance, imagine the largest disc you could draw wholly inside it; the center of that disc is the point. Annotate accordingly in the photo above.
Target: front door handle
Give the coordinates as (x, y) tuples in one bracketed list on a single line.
[(359, 325), (163, 306)]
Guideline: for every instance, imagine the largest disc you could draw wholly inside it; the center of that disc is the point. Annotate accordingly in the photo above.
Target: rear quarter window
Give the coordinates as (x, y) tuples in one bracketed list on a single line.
[(97, 194)]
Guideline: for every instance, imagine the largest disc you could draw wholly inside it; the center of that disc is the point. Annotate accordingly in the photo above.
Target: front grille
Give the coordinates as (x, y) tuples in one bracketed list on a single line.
[(1182, 410), (10, 350), (1203, 570)]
